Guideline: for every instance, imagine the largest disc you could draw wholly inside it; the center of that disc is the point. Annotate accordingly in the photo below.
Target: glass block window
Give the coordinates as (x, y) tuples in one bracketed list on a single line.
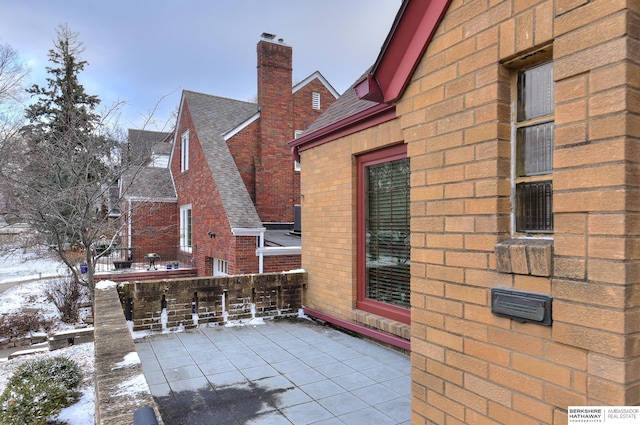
[(534, 150)]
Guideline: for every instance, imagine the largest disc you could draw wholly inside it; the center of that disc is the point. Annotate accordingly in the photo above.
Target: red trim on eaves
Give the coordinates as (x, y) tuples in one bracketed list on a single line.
[(370, 117), (413, 29)]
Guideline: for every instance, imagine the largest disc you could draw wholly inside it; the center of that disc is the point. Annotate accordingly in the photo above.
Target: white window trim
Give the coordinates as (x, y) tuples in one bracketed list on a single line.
[(296, 164), (220, 267), (184, 153), (183, 236)]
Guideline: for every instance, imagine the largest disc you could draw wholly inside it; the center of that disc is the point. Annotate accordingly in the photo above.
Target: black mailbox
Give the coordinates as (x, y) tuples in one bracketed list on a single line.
[(521, 306)]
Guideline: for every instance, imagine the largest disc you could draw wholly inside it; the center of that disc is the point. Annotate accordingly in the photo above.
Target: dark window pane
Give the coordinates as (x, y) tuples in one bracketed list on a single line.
[(534, 207), (535, 149), (387, 230), (535, 92)]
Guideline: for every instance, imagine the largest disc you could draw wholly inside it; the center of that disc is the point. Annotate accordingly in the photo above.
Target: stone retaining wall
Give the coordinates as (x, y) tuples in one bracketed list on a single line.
[(215, 299), (121, 388)]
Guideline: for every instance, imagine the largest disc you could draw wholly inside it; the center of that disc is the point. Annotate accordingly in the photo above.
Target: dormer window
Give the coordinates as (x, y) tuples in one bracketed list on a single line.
[(315, 100)]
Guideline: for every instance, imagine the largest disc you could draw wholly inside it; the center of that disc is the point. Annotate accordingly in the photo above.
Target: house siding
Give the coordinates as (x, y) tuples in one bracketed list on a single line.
[(471, 366), (208, 213), (245, 150), (155, 230), (328, 217)]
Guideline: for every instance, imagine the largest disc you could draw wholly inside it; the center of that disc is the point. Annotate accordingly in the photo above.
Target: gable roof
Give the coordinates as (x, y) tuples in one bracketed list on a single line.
[(345, 116), (370, 100), (213, 117), (412, 30), (144, 143), (312, 77)]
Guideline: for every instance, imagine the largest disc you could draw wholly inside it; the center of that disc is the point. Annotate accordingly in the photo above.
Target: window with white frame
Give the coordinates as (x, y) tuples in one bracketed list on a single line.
[(315, 100), (184, 152), (220, 267), (534, 142), (185, 228)]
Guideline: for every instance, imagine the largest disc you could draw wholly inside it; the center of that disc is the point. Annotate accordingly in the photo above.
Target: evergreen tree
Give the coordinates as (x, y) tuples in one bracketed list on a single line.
[(63, 171)]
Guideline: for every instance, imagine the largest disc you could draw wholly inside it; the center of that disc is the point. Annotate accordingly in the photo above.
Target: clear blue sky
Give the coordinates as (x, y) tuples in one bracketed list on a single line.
[(145, 52)]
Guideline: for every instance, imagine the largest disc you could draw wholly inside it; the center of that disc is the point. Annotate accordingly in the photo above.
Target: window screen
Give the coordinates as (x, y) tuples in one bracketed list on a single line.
[(387, 233)]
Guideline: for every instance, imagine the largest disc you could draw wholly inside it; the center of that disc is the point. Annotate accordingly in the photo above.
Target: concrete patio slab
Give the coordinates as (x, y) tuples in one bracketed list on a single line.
[(286, 372)]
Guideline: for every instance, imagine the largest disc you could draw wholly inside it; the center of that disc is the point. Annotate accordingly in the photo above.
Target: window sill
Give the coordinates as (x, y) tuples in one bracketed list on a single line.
[(524, 256), (383, 324)]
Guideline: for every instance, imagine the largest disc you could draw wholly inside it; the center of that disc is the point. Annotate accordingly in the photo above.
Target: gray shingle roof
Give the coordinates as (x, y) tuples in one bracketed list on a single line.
[(148, 183), (143, 143), (347, 105), (213, 116)]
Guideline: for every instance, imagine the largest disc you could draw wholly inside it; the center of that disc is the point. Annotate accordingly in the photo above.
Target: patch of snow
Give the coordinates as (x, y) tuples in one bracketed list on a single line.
[(140, 334), (131, 359), (245, 322), (82, 411), (135, 385), (103, 285)]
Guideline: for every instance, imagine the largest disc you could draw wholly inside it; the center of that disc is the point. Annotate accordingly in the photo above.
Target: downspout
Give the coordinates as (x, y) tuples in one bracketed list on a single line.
[(261, 253), (129, 224)]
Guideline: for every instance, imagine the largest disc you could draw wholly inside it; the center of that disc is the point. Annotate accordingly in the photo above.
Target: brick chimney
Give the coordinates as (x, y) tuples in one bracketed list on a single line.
[(274, 170)]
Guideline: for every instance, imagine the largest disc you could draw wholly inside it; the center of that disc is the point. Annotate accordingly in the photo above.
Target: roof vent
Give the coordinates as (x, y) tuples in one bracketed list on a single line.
[(268, 36)]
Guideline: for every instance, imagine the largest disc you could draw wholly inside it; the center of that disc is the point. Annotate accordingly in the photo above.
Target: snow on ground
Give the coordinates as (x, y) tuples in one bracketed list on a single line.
[(80, 413), (25, 267), (18, 266)]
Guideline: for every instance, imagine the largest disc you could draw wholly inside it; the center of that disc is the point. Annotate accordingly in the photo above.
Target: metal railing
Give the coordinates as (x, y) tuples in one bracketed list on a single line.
[(139, 258)]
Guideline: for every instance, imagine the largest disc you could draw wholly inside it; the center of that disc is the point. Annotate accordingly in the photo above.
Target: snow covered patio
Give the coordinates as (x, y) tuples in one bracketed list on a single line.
[(284, 371)]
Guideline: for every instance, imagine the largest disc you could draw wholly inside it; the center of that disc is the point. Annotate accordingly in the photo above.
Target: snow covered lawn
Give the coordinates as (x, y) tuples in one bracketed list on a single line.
[(32, 295)]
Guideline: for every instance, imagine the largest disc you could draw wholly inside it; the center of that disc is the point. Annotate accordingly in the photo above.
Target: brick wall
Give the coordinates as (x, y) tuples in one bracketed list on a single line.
[(245, 150), (304, 115), (112, 343), (274, 179), (207, 211), (471, 366), (328, 217), (274, 294), (281, 263), (156, 229)]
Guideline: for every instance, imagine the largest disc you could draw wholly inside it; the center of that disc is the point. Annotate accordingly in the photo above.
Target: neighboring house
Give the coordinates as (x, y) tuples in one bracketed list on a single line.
[(518, 122), (236, 184), (150, 148), (149, 224)]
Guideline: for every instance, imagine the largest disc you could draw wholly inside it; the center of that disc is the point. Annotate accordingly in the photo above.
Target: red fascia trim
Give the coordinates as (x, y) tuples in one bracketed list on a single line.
[(370, 117), (369, 89), (396, 341), (412, 31)]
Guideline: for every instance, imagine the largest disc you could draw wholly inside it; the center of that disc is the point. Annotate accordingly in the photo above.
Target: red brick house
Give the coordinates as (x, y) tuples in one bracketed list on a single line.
[(513, 127), (236, 185)]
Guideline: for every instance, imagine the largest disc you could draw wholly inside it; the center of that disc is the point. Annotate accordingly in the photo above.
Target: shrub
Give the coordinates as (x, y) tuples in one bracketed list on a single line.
[(66, 295), (39, 389), (17, 325)]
